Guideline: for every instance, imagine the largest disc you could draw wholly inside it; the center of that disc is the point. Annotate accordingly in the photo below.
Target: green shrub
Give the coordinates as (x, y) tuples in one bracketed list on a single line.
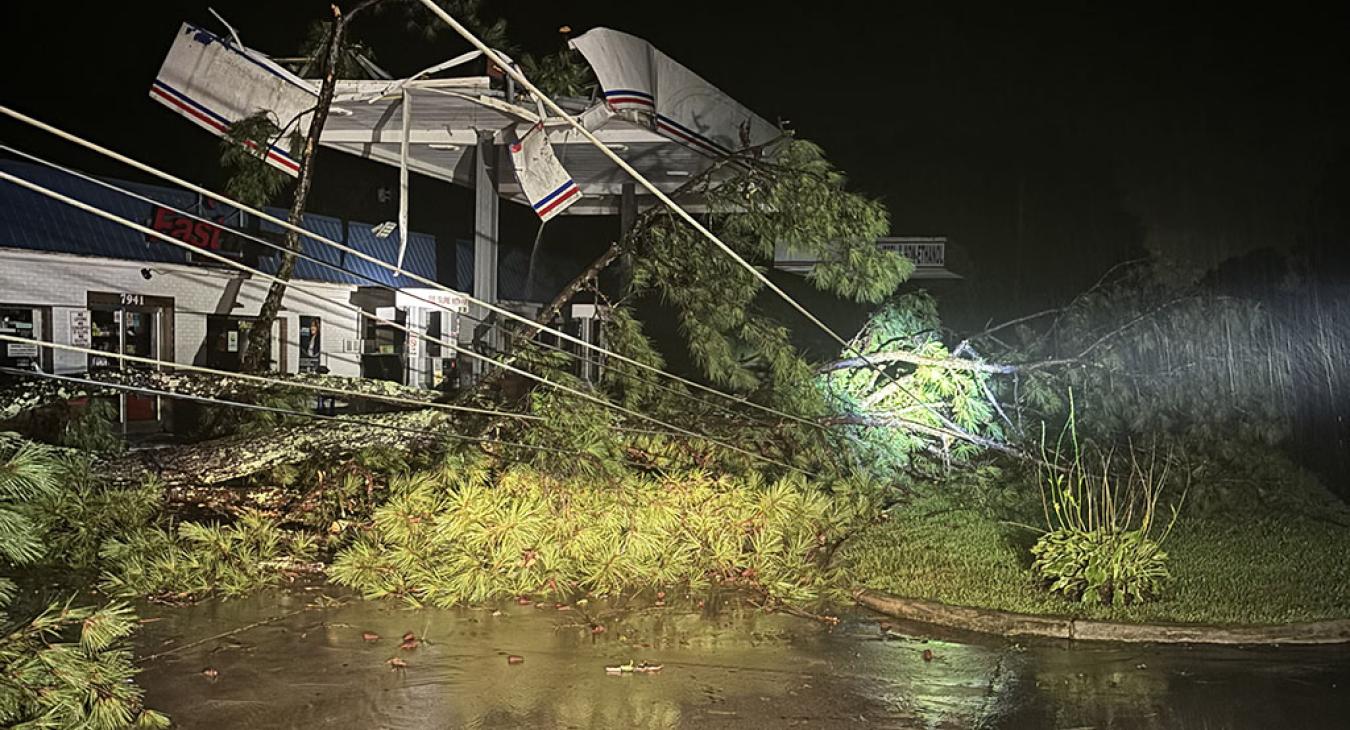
[(1111, 567), (197, 560), (1099, 544)]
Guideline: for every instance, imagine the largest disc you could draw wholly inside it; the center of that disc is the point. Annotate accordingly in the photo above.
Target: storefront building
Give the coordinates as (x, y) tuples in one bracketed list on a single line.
[(71, 278)]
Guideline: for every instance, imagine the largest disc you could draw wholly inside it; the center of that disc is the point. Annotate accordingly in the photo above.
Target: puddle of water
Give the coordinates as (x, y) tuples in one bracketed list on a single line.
[(729, 668)]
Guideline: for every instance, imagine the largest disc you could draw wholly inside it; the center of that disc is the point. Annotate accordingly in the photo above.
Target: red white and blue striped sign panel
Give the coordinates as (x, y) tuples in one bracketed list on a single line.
[(547, 184), (676, 102), (214, 83)]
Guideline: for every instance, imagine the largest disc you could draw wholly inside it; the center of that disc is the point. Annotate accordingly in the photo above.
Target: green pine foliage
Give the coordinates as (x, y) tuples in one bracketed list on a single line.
[(891, 409), (86, 511), (479, 531), (422, 22), (333, 497), (28, 474), (798, 200), (197, 560), (243, 155), (71, 667), (314, 50), (584, 432), (92, 427), (563, 73), (631, 386)]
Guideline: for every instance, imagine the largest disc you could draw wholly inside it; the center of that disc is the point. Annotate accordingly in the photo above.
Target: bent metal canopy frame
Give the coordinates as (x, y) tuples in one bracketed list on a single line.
[(660, 117)]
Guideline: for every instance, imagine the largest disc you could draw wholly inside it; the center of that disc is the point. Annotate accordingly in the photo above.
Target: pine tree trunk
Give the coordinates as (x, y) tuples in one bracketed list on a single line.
[(235, 457), (255, 357), (21, 395)]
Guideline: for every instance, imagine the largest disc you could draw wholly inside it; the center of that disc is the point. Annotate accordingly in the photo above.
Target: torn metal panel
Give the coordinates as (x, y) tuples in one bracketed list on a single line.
[(446, 117), (547, 185), (651, 86), (406, 114), (215, 82)]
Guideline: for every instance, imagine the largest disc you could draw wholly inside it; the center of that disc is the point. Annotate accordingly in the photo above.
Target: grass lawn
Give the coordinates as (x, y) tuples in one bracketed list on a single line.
[(1250, 567)]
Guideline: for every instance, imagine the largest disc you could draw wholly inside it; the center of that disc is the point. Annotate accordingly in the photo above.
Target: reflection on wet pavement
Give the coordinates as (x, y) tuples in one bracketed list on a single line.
[(733, 667)]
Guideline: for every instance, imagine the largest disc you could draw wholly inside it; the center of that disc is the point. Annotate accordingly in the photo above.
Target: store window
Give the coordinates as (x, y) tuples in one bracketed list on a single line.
[(384, 356), (227, 336), (26, 323)]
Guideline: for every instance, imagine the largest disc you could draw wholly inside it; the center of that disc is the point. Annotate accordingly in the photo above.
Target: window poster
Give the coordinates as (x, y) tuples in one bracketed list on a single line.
[(311, 344)]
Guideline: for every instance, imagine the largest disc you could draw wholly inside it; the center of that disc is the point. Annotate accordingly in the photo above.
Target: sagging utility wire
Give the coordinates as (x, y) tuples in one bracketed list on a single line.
[(291, 412), (515, 74), (33, 187), (531, 324), (335, 267), (248, 377)]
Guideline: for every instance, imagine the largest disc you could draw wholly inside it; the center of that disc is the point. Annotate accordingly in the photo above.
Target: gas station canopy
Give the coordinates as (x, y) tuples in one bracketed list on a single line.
[(661, 118), (451, 116)]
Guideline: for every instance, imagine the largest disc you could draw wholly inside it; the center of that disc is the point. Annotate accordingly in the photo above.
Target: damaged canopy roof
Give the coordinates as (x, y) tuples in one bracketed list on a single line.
[(657, 115)]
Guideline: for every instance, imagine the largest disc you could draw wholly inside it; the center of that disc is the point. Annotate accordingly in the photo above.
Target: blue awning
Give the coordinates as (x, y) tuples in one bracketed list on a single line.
[(30, 220)]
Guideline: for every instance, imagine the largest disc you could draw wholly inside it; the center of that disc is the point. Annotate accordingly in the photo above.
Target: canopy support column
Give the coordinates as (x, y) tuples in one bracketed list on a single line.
[(485, 238), (627, 219)]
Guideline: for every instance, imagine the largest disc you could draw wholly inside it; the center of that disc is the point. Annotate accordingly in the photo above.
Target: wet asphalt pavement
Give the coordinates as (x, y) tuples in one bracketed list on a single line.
[(733, 666)]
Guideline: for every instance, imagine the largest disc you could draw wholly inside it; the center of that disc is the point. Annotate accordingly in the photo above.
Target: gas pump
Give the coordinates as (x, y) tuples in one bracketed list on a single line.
[(430, 364), (403, 355), (588, 326)]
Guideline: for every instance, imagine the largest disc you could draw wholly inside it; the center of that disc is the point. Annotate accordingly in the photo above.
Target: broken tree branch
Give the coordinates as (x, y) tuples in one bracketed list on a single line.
[(951, 363)]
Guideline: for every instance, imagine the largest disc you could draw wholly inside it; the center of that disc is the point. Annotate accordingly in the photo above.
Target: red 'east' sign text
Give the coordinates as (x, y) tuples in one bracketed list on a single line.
[(187, 230)]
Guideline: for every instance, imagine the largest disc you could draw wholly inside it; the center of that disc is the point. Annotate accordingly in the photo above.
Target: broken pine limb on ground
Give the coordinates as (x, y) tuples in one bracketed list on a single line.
[(21, 394)]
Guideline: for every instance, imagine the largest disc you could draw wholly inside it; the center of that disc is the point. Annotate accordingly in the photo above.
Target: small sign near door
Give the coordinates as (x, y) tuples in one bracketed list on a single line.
[(79, 328), (19, 349)]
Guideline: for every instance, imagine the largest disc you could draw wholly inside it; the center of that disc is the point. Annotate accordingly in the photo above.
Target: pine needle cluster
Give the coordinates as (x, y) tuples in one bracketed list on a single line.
[(197, 560), (28, 473), (70, 666), (799, 201), (893, 416), (478, 531), (243, 154)]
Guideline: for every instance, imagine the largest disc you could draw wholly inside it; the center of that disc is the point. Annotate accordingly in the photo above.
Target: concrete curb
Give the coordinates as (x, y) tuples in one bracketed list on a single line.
[(1007, 623)]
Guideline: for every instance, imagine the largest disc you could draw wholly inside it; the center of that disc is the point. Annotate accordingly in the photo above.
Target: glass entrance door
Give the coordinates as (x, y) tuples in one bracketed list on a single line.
[(139, 338), (130, 325)]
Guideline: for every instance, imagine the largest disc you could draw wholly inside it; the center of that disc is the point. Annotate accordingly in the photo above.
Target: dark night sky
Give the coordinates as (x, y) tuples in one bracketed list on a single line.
[(1046, 143)]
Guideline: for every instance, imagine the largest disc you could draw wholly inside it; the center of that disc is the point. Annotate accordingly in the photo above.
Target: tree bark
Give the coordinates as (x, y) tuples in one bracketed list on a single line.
[(950, 363), (236, 457), (259, 344)]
